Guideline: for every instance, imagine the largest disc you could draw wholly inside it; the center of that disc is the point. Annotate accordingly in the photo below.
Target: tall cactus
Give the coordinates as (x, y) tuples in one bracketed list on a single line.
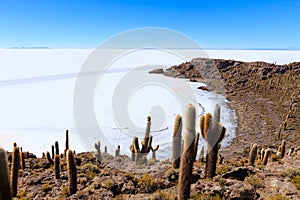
[(67, 139), (72, 172), (213, 133), (98, 154), (196, 146), (252, 155), (56, 148), (57, 166), (176, 144), (52, 152), (15, 171), (4, 177), (48, 157), (186, 162)]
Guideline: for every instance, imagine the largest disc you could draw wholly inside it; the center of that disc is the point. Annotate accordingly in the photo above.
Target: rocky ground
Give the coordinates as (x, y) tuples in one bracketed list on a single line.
[(266, 99)]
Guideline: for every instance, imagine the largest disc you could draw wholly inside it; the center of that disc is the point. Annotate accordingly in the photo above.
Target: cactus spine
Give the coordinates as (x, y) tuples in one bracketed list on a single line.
[(98, 155), (4, 177), (57, 166), (56, 148), (253, 153), (266, 156), (15, 171), (72, 172), (186, 162), (176, 142), (213, 133)]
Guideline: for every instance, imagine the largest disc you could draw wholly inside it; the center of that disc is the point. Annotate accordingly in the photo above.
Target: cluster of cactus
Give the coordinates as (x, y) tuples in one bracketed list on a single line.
[(213, 133), (136, 151), (98, 154), (187, 159)]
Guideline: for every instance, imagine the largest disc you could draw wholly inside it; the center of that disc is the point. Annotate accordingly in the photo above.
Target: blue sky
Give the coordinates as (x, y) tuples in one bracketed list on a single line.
[(212, 23)]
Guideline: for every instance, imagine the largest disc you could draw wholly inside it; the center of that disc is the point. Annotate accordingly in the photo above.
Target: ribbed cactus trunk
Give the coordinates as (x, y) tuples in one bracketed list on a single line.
[(57, 166), (252, 155), (176, 144), (4, 177), (72, 172), (186, 163), (136, 149), (15, 171)]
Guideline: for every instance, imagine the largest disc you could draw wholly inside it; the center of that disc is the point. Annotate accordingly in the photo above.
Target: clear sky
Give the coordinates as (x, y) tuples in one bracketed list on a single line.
[(212, 23)]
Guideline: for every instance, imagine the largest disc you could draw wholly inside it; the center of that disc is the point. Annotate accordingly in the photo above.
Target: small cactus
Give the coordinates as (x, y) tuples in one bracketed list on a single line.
[(57, 166), (4, 177), (186, 162), (56, 148), (72, 172), (213, 133), (105, 149), (266, 156), (49, 159), (291, 151), (252, 155), (176, 142), (98, 154), (15, 171)]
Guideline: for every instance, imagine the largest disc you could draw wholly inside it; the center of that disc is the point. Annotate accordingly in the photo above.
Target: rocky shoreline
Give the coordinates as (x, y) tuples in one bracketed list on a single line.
[(266, 98)]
